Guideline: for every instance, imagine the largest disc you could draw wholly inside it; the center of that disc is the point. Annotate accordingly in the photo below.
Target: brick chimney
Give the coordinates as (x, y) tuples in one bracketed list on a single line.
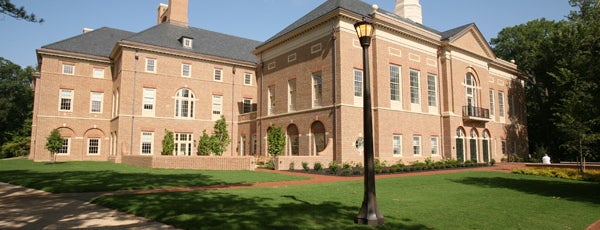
[(175, 13), (409, 9)]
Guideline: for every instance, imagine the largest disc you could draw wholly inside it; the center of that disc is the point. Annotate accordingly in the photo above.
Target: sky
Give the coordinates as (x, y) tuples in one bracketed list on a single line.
[(253, 19)]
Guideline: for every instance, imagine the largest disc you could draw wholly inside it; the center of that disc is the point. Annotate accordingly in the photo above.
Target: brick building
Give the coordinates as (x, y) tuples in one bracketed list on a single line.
[(436, 94)]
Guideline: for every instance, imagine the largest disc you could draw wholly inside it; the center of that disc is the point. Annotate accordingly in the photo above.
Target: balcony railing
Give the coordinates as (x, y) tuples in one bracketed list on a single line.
[(476, 113)]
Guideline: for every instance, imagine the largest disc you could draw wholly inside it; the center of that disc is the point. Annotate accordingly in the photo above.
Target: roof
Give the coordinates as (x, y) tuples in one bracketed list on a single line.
[(204, 41), (356, 6), (98, 42), (448, 34)]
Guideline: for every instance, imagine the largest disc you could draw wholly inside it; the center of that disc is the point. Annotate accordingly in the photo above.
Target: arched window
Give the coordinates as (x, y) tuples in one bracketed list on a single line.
[(473, 145), (471, 86), (486, 146), (460, 144), (184, 103), (293, 140), (319, 140)]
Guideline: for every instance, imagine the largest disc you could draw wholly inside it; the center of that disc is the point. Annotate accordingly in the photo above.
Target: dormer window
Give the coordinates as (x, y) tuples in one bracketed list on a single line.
[(187, 42)]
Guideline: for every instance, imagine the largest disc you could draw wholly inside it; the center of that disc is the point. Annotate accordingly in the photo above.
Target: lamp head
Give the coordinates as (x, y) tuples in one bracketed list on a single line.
[(364, 31)]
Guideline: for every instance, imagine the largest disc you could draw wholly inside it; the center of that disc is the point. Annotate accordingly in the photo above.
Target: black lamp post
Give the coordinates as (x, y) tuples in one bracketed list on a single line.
[(369, 212)]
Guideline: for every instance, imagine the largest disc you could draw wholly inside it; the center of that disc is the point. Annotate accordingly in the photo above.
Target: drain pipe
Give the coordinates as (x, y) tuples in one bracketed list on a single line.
[(133, 102), (334, 85)]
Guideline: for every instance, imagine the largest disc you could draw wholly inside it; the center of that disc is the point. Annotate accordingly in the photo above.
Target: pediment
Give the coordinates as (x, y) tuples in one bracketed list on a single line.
[(471, 40)]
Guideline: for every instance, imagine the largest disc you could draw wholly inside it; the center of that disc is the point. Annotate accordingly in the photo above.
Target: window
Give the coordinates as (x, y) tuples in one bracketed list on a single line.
[(471, 89), (247, 105), (186, 70), (96, 102), (417, 145), (394, 83), (64, 149), (434, 146), (414, 87), (292, 95), (68, 69), (248, 79), (501, 104), (218, 75), (504, 147), (147, 141), (317, 89), (397, 145), (492, 110), (115, 104), (358, 83), (150, 65), (431, 90), (66, 100), (217, 106), (94, 146), (511, 105), (184, 103), (293, 140), (319, 139), (183, 144), (148, 103), (187, 42), (271, 102), (98, 73), (254, 144)]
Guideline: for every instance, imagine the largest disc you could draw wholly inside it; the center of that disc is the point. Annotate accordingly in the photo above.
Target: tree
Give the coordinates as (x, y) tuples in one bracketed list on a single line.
[(54, 143), (168, 143), (275, 140), (204, 144), (16, 103), (6, 7), (220, 138), (562, 60)]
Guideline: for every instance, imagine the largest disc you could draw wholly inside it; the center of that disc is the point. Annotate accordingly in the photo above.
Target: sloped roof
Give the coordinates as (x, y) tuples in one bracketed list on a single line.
[(448, 34), (98, 42), (356, 6), (204, 41)]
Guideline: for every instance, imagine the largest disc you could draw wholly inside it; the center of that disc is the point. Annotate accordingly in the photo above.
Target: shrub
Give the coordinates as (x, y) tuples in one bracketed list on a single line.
[(572, 174), (317, 166), (267, 165), (468, 164), (305, 166), (358, 169), (378, 167), (428, 161), (346, 172), (333, 167), (292, 164), (492, 162)]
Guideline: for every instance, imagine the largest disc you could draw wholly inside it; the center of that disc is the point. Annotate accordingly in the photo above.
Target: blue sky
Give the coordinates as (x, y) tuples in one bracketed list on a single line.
[(254, 19)]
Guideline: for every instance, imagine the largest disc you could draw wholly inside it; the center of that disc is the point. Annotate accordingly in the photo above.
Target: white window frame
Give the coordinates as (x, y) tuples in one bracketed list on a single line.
[(415, 90), (98, 73), (151, 64), (492, 103), (186, 73), (471, 90), (179, 104), (217, 107), (292, 93), (66, 147), (147, 138), (218, 75), (417, 145), (116, 96), (248, 79), (397, 145), (501, 108), (148, 102), (97, 147), (69, 97), (271, 100), (68, 69), (358, 80), (247, 105), (183, 140), (317, 89), (432, 92), (187, 42), (96, 97), (396, 86), (435, 142)]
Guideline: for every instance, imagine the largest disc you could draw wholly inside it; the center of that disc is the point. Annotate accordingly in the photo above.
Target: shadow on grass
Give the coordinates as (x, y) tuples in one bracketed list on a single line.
[(100, 181), (217, 210), (563, 189)]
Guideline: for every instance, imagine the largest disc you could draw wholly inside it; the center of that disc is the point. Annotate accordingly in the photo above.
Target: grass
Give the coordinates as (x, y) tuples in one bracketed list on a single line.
[(106, 176), (465, 200)]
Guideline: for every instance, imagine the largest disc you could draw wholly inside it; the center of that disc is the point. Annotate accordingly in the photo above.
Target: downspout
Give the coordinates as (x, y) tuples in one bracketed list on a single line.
[(232, 109), (440, 104), (133, 102), (334, 85), (260, 115)]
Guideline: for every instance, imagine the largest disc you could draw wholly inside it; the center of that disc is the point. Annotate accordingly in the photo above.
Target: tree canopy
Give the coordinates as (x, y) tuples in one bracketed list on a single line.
[(562, 62), (6, 7)]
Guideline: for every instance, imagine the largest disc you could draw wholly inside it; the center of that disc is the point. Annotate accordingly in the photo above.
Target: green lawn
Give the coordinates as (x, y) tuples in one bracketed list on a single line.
[(107, 176), (465, 200)]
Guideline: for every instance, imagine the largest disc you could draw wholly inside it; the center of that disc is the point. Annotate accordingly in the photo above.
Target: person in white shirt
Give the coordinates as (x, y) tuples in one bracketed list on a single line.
[(546, 159)]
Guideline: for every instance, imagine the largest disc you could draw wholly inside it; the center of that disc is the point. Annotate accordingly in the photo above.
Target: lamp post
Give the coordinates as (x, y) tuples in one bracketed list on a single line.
[(369, 212)]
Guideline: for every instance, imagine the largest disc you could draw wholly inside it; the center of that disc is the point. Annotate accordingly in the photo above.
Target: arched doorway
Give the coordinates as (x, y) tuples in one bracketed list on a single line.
[(473, 145), (293, 140), (486, 146), (319, 139), (460, 144)]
